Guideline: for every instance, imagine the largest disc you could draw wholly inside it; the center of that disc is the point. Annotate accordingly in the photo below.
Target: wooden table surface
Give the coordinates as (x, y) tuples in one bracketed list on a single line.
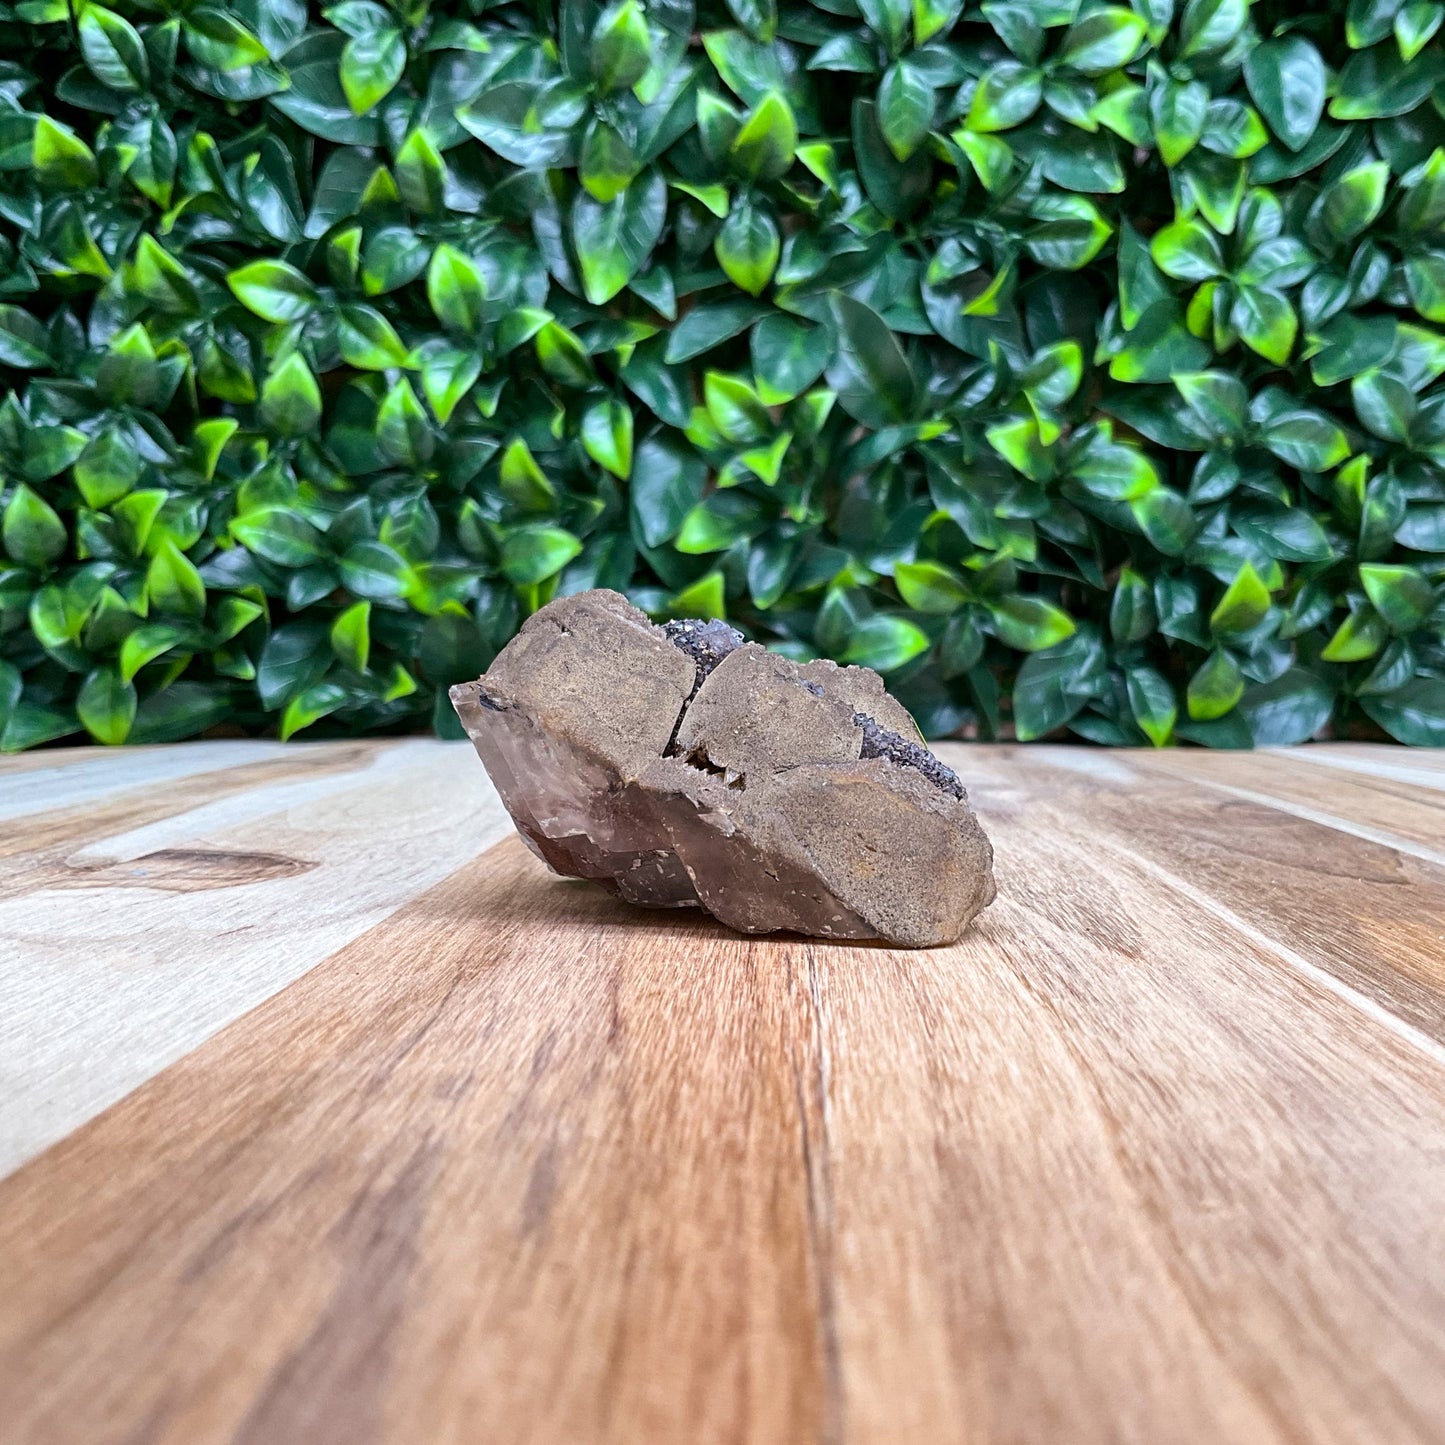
[(331, 1118)]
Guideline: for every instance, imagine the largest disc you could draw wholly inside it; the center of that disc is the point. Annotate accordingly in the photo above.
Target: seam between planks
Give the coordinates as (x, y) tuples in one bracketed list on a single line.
[(1406, 1032), (1416, 777), (1313, 815)]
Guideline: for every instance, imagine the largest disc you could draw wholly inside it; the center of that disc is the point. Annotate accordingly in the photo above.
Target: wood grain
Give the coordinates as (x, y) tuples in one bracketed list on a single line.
[(188, 886), (1145, 1158)]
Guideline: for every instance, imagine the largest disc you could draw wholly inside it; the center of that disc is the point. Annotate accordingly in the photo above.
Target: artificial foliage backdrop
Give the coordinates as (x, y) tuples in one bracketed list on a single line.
[(1076, 365)]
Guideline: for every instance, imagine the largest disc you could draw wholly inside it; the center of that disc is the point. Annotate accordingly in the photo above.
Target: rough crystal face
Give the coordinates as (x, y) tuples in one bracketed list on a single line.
[(681, 766)]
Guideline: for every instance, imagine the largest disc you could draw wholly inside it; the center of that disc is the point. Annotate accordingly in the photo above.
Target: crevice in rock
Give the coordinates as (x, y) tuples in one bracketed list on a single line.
[(699, 759), (707, 643)]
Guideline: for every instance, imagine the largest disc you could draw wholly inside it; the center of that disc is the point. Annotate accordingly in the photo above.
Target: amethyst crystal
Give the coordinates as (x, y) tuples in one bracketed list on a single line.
[(681, 766)]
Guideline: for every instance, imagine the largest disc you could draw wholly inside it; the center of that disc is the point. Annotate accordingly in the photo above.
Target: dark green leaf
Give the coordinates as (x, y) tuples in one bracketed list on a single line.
[(1414, 713), (870, 373), (1289, 710), (613, 241)]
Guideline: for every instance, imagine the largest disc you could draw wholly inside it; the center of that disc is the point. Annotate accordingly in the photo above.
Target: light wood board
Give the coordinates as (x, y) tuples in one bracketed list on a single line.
[(460, 1152)]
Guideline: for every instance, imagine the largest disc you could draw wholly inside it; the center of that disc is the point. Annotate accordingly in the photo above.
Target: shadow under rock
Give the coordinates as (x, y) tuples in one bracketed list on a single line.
[(537, 896)]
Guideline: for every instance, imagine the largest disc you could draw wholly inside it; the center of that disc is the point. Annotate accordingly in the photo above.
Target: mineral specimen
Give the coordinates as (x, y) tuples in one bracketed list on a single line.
[(679, 766)]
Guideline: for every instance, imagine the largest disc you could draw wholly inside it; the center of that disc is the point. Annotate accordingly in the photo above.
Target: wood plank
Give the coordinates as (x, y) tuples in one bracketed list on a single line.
[(1415, 766), (521, 1161), (44, 782), (135, 926), (1360, 911), (1400, 814)]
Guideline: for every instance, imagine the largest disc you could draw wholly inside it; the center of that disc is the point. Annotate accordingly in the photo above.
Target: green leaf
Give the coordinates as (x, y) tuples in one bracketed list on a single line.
[(1132, 613), (748, 247), (1425, 280), (217, 39), (1187, 250), (608, 162), (1166, 519), (869, 372), (1114, 472), (1352, 202), (1266, 323), (1158, 347), (931, 17), (61, 159), (1210, 25), (789, 354), (1177, 116), (1306, 440), (1007, 95), (280, 535), (1104, 40), (1289, 710), (32, 530), (108, 468), (274, 290), (456, 290), (930, 587), (763, 148), (562, 356), (1291, 533), (708, 326), (1286, 80), (1029, 623), (714, 524), (371, 65), (403, 433), (1218, 399), (766, 462), (1414, 713), (1233, 129), (1216, 687), (667, 483), (620, 50), (23, 342), (447, 375), (1401, 595), (367, 340), (1020, 443), (1053, 686), (310, 707), (607, 436), (1415, 26), (291, 399), (1152, 703), (421, 174), (32, 724), (116, 55), (885, 642), (173, 584), (106, 706), (351, 636), (532, 554), (707, 597), (614, 241), (1362, 634), (1384, 405), (992, 159), (1243, 606), (906, 104), (148, 642)]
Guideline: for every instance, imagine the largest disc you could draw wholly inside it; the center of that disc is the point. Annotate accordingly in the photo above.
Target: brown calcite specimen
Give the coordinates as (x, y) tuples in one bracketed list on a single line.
[(681, 766)]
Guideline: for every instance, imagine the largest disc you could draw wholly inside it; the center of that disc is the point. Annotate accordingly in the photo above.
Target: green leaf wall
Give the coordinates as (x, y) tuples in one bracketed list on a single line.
[(1077, 365)]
